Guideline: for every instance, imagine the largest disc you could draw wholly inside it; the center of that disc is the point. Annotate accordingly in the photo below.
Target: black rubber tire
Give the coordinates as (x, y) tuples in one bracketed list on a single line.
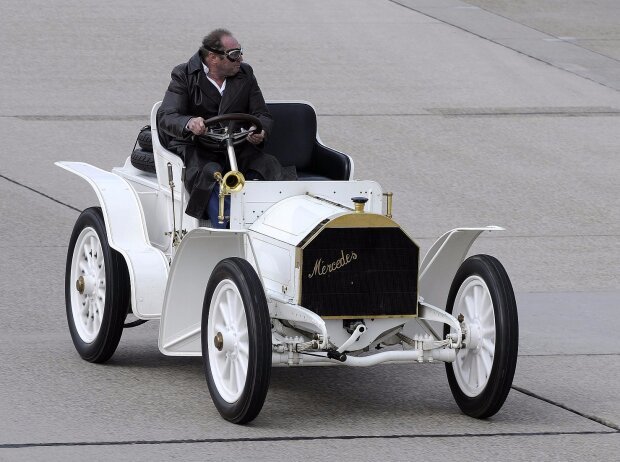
[(490, 400), (117, 292), (145, 139), (252, 398), (143, 160)]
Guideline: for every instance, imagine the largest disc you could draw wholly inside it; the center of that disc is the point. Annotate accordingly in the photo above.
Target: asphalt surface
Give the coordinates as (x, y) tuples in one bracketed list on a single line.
[(472, 113)]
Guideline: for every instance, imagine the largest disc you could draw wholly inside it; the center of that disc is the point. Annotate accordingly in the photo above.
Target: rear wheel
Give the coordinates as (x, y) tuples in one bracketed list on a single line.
[(481, 376), (236, 340), (96, 289)]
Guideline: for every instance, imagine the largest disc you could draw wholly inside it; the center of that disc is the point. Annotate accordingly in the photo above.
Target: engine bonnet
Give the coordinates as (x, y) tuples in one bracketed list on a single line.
[(349, 265)]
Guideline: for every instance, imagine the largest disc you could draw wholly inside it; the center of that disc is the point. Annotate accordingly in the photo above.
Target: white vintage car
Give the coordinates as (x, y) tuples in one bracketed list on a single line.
[(312, 272)]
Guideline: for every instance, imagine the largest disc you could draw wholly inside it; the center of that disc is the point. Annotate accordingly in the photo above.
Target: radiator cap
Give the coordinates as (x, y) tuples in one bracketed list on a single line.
[(359, 202)]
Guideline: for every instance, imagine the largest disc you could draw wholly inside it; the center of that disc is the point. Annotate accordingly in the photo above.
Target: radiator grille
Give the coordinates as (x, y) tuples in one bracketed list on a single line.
[(360, 273)]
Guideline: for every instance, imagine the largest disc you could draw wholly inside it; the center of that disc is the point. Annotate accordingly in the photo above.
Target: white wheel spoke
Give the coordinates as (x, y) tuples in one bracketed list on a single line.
[(488, 316), (92, 250), (226, 368), (477, 299), (481, 376), (244, 370), (487, 362), (217, 319), (488, 332), (87, 248), (218, 326), (486, 300), (225, 307), (96, 321), (239, 375), (243, 351), (468, 307), (99, 260), (240, 318), (470, 368), (242, 335), (234, 380), (467, 359), (83, 305), (100, 273), (489, 346)]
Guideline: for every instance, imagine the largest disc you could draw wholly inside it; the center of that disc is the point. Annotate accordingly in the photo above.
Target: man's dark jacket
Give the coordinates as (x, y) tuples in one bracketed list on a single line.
[(188, 95), (191, 94)]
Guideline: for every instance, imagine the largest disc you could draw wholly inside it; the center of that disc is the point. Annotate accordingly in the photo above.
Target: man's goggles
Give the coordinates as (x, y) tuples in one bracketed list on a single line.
[(234, 54)]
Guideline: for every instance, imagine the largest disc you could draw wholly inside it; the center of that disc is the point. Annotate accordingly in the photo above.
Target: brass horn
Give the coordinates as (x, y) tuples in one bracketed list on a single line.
[(231, 182)]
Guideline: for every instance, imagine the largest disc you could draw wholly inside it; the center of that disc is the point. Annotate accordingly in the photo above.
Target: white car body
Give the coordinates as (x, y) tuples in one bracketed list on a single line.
[(269, 222)]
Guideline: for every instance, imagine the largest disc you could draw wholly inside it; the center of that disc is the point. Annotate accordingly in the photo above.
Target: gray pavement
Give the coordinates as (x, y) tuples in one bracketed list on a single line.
[(473, 113)]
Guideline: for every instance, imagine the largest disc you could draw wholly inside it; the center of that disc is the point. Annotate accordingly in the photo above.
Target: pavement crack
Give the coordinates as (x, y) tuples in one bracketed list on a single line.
[(299, 438), (593, 418), (39, 192)]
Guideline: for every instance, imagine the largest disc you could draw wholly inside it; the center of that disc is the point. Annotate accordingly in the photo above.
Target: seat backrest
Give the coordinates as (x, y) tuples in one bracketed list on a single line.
[(293, 135), (163, 156)]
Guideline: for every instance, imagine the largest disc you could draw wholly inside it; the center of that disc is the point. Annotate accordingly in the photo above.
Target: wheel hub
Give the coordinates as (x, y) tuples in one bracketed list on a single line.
[(86, 284), (218, 341), (226, 341), (474, 336), (79, 284)]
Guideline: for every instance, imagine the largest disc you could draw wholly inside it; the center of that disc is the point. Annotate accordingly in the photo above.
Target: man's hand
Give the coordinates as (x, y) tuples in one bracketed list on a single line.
[(256, 138), (196, 125)]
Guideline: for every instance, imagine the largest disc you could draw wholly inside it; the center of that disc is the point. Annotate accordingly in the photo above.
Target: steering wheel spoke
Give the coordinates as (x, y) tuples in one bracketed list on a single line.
[(227, 124), (241, 135), (219, 137)]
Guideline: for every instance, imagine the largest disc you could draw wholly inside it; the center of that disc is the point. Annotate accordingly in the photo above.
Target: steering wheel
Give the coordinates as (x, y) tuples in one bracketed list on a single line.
[(226, 130)]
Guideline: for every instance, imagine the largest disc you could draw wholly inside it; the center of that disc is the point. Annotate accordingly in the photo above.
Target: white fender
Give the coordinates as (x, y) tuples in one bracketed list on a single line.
[(442, 261), (200, 250), (127, 234)]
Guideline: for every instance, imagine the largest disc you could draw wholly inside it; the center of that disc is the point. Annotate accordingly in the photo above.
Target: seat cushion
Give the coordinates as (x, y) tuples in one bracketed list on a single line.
[(293, 135)]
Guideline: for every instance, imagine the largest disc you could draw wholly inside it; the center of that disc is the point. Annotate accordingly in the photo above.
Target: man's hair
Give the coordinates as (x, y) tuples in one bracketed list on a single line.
[(213, 41)]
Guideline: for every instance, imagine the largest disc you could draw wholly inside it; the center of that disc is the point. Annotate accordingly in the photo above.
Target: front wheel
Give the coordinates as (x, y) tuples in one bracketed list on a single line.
[(236, 340), (96, 289), (481, 376)]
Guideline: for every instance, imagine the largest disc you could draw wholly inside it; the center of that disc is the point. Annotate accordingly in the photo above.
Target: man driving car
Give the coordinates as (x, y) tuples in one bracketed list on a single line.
[(213, 82)]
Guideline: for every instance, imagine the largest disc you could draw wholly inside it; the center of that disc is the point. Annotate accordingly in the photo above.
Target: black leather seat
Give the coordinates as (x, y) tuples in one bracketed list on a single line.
[(293, 141)]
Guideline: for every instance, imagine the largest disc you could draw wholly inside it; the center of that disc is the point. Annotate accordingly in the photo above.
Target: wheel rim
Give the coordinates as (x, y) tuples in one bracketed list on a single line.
[(473, 363), (228, 341), (88, 285)]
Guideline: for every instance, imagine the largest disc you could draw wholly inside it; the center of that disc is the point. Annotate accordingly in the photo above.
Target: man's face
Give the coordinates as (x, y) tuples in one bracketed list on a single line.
[(225, 66)]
